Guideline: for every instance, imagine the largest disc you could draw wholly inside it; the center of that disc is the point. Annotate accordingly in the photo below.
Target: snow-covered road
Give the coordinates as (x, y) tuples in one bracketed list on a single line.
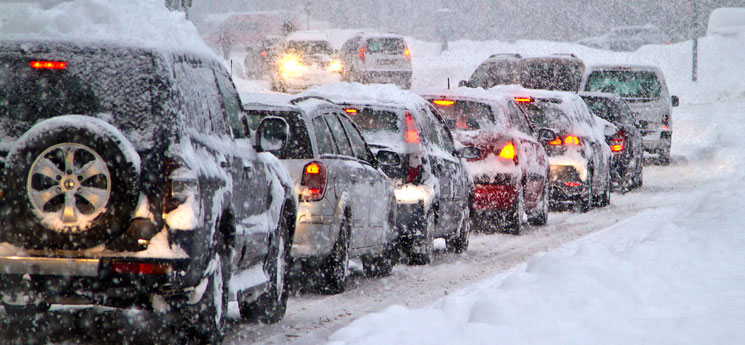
[(472, 301)]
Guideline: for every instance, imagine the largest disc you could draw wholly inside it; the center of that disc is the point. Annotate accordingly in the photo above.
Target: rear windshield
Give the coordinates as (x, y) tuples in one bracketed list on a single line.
[(298, 147), (608, 110), (552, 75), (379, 127), (496, 73), (310, 47), (385, 45), (627, 84), (466, 115), (91, 83)]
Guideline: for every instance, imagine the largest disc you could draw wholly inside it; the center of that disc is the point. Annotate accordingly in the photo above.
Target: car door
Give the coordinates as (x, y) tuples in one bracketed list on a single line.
[(375, 186), (358, 197), (448, 168)]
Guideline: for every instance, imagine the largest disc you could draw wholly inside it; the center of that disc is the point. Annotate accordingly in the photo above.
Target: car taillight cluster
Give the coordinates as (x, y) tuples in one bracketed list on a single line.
[(666, 121), (48, 64), (569, 140), (412, 137), (362, 53), (407, 53), (617, 143), (314, 181), (508, 151)]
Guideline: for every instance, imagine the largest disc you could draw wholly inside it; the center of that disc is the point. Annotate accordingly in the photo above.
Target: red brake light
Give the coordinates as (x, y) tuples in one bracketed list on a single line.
[(556, 141), (523, 99), (362, 53), (443, 102), (508, 151), (407, 53), (618, 141), (571, 140), (412, 135), (665, 121), (48, 64), (351, 110), (141, 268), (413, 173), (263, 53), (572, 184), (314, 179)]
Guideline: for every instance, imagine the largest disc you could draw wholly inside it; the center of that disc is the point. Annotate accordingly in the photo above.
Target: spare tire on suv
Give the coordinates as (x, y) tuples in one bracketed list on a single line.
[(71, 182)]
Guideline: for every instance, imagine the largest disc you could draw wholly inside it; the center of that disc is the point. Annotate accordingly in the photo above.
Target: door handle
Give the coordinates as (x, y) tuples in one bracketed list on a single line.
[(224, 164)]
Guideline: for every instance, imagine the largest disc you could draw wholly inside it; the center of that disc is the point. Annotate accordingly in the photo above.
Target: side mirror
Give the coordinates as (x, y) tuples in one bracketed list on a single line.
[(546, 134), (609, 130), (272, 134), (388, 158), (469, 152), (641, 124), (464, 83), (675, 100)]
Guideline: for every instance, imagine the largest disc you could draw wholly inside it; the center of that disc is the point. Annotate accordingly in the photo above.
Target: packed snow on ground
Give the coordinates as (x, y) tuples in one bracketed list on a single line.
[(667, 275)]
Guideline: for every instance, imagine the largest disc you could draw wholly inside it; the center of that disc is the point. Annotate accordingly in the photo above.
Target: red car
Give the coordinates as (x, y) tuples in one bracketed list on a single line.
[(511, 175)]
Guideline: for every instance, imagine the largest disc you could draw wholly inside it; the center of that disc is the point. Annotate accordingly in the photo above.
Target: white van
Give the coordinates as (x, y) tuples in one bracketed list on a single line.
[(645, 91)]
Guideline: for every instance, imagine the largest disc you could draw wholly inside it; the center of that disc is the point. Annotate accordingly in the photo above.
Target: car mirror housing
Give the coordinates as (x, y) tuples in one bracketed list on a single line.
[(464, 83), (388, 158), (546, 134), (272, 134), (469, 152), (609, 130), (675, 100)]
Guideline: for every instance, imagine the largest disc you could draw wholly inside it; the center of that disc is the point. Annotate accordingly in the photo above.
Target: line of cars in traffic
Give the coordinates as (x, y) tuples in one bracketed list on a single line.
[(176, 195)]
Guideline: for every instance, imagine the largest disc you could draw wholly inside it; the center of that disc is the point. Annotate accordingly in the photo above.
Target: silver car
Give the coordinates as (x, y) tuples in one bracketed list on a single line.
[(347, 206), (377, 58), (645, 91)]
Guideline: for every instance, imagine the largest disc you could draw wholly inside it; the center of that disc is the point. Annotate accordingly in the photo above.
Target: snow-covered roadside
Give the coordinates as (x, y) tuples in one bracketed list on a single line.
[(668, 275)]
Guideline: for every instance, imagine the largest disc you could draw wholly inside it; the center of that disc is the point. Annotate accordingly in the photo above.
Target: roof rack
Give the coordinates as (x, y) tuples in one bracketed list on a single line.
[(305, 98), (514, 55), (566, 54)]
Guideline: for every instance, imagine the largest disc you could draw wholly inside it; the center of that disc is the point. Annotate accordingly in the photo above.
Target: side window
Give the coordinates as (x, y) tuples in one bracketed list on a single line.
[(201, 100), (517, 118), (323, 136), (339, 136), (358, 144), (427, 127), (231, 104), (446, 140)]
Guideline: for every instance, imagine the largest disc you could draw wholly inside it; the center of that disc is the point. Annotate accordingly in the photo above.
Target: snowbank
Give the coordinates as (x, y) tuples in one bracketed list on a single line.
[(138, 22)]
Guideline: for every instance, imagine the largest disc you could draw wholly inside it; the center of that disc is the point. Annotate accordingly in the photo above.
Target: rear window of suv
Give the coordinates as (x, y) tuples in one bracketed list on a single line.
[(385, 45), (466, 115), (117, 83), (627, 84)]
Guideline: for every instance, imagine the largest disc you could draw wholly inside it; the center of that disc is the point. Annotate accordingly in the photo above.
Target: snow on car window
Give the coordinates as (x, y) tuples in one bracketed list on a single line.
[(466, 115), (627, 84), (385, 45), (309, 47), (371, 120)]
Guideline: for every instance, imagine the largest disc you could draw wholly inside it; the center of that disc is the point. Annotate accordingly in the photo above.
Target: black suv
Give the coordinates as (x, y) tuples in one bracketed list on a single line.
[(557, 72), (127, 179)]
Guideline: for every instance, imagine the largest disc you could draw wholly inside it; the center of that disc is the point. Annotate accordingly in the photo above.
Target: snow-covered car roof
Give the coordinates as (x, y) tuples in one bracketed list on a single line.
[(622, 66), (469, 92), (144, 23), (310, 35), (372, 94), (283, 102)]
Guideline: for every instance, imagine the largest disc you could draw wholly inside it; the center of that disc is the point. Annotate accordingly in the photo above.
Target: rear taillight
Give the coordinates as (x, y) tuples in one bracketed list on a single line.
[(48, 64), (412, 135), (362, 53), (507, 151), (263, 53), (569, 140), (523, 99), (665, 121), (314, 181), (141, 268), (413, 173), (180, 184), (443, 102), (617, 143), (407, 53)]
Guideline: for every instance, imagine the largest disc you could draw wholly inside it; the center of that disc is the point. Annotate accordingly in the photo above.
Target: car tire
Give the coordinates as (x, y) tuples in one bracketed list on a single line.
[(26, 311), (422, 247), (94, 160), (205, 320), (514, 217), (336, 268), (541, 217), (584, 204), (459, 244), (664, 157), (271, 306)]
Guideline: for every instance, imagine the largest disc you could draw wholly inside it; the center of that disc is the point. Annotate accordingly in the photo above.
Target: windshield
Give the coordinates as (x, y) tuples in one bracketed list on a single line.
[(627, 84), (466, 115), (385, 45), (546, 115), (310, 47), (89, 84), (607, 109)]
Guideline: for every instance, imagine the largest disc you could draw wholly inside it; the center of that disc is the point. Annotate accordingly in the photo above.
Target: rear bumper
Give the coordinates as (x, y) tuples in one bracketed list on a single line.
[(566, 184), (314, 235), (657, 141), (410, 219), (493, 197)]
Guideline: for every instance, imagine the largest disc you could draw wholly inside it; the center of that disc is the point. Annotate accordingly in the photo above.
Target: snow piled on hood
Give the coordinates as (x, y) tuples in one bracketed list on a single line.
[(380, 94), (137, 22)]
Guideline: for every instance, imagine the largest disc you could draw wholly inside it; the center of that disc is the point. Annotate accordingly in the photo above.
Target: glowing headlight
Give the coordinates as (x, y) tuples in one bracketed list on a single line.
[(290, 64), (335, 65)]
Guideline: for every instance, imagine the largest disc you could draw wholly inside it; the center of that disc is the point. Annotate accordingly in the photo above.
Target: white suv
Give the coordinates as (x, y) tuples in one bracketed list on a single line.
[(645, 91), (377, 58)]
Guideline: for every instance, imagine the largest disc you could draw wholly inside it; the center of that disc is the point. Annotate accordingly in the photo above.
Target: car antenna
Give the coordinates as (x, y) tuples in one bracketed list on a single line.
[(448, 83), (231, 68)]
